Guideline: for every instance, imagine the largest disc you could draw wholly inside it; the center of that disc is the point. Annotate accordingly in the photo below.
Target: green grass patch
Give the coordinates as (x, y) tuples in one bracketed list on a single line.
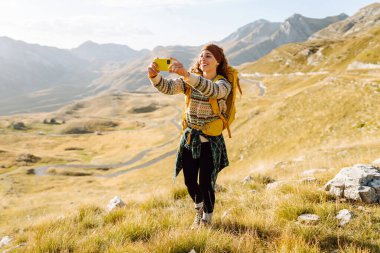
[(115, 216), (179, 193), (155, 202)]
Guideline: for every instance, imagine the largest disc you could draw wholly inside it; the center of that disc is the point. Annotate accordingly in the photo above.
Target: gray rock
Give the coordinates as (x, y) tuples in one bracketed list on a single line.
[(359, 182), (377, 161), (116, 202), (375, 184), (344, 216), (5, 241), (308, 218)]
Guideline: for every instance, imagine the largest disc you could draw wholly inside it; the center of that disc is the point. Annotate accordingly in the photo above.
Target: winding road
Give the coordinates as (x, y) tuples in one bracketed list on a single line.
[(42, 170)]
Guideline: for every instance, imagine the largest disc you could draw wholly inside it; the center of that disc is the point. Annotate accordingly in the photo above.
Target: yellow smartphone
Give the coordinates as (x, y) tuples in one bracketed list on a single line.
[(163, 63)]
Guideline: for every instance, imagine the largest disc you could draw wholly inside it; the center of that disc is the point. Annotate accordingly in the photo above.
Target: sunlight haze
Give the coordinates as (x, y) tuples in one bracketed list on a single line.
[(146, 24)]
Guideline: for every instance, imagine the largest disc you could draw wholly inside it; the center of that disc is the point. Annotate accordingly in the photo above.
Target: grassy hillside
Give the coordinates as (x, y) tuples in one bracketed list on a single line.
[(319, 55), (326, 118)]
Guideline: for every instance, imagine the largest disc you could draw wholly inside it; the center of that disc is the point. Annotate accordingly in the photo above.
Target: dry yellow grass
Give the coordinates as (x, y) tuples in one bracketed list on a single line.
[(328, 120)]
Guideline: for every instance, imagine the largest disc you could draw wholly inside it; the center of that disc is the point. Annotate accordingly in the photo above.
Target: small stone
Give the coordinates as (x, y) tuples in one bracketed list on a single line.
[(252, 191), (116, 202), (344, 216), (5, 241), (192, 251), (308, 218), (98, 133), (40, 133), (377, 161)]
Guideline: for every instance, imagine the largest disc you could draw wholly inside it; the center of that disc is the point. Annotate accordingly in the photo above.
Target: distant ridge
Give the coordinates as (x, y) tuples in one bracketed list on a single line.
[(106, 52), (256, 39), (365, 18)]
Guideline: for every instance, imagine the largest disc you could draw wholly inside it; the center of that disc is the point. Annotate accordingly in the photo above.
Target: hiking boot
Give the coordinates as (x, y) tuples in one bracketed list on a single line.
[(197, 218)]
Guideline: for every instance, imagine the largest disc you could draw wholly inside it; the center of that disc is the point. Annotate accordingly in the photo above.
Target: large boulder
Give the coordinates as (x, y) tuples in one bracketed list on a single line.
[(359, 182)]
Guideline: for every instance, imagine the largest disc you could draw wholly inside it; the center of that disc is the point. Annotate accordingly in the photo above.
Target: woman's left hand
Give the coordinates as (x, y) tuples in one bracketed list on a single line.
[(177, 67)]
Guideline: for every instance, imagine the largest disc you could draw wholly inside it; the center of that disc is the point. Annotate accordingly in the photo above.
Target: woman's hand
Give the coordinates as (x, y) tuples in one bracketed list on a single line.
[(177, 67), (153, 70)]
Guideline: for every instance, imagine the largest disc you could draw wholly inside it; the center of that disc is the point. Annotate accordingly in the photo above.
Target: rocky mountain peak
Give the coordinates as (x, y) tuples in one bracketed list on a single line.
[(364, 19)]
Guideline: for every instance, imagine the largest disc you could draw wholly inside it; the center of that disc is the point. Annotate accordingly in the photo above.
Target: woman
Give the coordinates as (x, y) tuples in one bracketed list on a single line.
[(199, 153)]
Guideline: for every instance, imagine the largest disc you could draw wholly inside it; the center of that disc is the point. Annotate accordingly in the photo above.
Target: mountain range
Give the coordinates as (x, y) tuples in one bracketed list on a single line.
[(256, 39), (40, 78)]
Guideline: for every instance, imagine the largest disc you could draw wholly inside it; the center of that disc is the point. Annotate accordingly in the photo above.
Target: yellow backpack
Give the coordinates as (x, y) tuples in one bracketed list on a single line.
[(216, 127)]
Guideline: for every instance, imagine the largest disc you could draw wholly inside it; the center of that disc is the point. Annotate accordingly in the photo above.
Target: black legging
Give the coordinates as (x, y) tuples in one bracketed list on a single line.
[(204, 166)]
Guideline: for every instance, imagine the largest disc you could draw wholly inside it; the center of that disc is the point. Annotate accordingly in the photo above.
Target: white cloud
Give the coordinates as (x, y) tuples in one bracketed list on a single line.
[(81, 25)]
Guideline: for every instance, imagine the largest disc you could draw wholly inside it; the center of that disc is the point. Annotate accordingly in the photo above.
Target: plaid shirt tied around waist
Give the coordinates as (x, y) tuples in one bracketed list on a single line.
[(191, 140)]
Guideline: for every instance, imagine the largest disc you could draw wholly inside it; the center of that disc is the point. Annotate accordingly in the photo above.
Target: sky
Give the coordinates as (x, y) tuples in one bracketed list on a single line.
[(146, 24)]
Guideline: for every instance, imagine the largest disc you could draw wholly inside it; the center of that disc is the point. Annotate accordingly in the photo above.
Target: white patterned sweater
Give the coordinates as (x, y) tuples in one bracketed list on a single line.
[(199, 111)]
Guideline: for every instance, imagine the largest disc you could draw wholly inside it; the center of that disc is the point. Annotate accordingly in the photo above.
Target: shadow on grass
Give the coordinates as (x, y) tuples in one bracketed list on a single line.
[(332, 242)]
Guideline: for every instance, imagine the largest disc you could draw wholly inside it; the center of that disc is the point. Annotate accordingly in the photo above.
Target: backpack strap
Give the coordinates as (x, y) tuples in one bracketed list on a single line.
[(216, 111)]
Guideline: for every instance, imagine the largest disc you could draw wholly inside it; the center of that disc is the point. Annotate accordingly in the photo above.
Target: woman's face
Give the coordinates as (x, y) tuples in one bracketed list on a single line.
[(207, 61)]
